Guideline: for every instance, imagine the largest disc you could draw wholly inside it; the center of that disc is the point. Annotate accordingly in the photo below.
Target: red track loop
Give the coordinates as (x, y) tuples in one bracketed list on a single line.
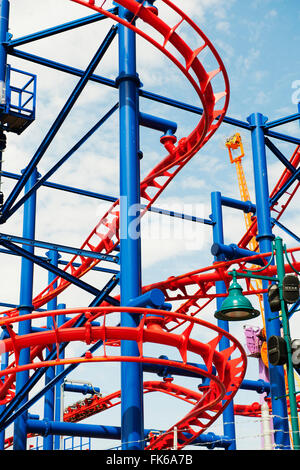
[(225, 369), (104, 238)]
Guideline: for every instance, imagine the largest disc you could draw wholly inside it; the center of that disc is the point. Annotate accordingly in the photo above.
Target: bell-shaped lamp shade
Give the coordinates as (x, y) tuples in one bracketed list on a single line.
[(236, 307)]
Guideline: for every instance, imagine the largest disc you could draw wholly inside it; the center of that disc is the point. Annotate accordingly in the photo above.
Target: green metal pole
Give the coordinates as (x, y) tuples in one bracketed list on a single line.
[(286, 331)]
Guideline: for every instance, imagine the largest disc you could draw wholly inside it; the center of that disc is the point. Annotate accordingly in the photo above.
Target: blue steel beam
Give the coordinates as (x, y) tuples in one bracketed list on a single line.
[(280, 156), (42, 180), (65, 262), (245, 206), (132, 416), (146, 120), (218, 237), (265, 238), (49, 399), (58, 29), (286, 230), (41, 427), (283, 120), (62, 187), (284, 137), (55, 246), (84, 389), (112, 83), (59, 272), (156, 123), (10, 413), (58, 386), (58, 122), (4, 20), (26, 290), (105, 197), (285, 187)]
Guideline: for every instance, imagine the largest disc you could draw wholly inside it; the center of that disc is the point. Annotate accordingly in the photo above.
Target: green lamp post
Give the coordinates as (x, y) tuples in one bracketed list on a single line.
[(236, 307)]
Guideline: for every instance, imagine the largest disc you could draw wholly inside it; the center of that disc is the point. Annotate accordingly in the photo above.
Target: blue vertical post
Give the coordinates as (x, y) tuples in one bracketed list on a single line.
[(218, 237), (4, 15), (4, 365), (130, 243), (58, 386), (50, 373), (264, 238), (20, 425), (4, 20)]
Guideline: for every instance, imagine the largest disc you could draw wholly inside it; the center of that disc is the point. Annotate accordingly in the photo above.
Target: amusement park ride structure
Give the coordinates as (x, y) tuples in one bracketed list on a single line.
[(163, 313)]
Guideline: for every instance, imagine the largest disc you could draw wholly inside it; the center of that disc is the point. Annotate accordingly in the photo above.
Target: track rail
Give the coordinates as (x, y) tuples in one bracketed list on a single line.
[(225, 369)]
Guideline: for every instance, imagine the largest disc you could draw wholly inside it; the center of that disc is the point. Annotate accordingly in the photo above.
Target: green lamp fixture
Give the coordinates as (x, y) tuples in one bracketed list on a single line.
[(236, 306)]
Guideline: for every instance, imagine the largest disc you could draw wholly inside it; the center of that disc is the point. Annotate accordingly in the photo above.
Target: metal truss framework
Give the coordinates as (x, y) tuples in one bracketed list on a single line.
[(146, 312)]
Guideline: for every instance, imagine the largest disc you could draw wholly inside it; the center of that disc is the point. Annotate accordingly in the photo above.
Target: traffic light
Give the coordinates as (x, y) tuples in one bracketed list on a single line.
[(290, 292), (290, 289), (277, 350), (274, 298), (295, 346)]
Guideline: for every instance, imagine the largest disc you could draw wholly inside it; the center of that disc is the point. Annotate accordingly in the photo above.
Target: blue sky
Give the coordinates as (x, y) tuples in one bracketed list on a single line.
[(259, 44)]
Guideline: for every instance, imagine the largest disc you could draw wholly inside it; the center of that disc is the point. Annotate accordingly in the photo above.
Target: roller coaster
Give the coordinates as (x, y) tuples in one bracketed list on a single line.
[(126, 319)]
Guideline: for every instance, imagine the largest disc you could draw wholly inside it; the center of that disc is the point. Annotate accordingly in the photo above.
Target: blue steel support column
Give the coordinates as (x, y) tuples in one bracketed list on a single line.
[(265, 237), (130, 246), (4, 16), (218, 237), (4, 365), (58, 386), (27, 267), (53, 256)]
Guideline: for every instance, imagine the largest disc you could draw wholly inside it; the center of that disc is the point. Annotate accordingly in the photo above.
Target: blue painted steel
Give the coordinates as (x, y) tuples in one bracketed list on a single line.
[(265, 237), (49, 405), (63, 262), (130, 243), (285, 187), (109, 432), (245, 206), (59, 272), (58, 384), (59, 121), (112, 83), (283, 120), (218, 237), (285, 229), (8, 416), (42, 180), (4, 18), (26, 289), (4, 365), (20, 97), (280, 156), (284, 137), (58, 29), (259, 386), (84, 388), (157, 123), (4, 15), (153, 299), (62, 248), (190, 108), (233, 251), (106, 197)]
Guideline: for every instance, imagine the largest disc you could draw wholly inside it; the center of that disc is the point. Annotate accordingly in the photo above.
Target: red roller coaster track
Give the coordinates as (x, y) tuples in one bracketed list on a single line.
[(230, 364)]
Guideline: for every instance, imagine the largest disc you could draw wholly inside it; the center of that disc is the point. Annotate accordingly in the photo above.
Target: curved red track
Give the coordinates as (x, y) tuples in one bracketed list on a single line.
[(230, 365)]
